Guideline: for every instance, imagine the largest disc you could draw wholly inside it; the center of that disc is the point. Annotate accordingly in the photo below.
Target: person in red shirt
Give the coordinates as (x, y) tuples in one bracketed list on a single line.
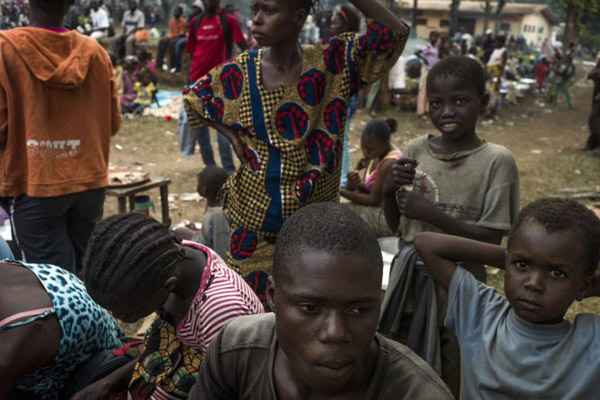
[(542, 69), (210, 42)]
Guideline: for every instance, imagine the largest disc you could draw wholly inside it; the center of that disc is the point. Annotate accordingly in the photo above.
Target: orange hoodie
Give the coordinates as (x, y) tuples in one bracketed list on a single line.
[(58, 110)]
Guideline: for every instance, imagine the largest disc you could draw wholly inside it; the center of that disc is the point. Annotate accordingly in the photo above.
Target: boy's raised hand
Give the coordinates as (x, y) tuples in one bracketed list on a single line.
[(403, 174)]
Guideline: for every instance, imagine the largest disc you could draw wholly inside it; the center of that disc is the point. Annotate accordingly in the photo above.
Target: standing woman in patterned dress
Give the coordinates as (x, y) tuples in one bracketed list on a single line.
[(284, 107)]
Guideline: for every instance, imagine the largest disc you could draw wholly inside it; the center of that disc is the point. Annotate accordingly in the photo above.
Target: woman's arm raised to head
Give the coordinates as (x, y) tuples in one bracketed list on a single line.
[(376, 11)]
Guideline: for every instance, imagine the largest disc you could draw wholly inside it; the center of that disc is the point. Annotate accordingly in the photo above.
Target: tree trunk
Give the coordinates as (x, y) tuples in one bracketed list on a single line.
[(571, 27), (413, 21), (384, 97), (454, 11), (487, 12), (498, 16)]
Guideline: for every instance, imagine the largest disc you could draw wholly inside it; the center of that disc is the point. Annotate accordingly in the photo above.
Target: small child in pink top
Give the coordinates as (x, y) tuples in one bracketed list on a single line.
[(365, 184)]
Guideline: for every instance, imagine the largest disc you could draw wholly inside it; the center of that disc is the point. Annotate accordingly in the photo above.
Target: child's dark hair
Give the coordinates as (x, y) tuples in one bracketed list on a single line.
[(467, 70), (329, 227), (557, 215), (381, 129), (212, 179), (126, 252)]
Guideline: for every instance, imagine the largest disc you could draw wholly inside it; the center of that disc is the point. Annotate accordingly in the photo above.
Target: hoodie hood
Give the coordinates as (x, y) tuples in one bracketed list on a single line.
[(57, 59)]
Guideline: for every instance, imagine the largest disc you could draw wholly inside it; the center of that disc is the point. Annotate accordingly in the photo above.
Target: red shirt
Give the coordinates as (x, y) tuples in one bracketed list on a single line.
[(206, 43)]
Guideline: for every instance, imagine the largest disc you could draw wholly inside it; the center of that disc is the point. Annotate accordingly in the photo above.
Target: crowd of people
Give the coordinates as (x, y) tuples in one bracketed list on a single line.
[(279, 294), (13, 14)]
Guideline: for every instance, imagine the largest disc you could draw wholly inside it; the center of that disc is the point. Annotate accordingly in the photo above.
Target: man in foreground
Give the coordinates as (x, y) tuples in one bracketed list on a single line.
[(321, 341)]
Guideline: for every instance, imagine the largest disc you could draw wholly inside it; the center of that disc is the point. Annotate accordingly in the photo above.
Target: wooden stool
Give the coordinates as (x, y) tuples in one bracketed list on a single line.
[(125, 195)]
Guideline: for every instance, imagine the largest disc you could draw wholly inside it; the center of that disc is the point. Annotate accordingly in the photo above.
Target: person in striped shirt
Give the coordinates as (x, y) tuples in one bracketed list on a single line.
[(134, 266)]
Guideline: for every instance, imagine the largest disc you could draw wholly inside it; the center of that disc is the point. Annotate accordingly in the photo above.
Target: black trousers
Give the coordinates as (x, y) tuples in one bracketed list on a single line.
[(56, 230), (166, 46), (593, 141)]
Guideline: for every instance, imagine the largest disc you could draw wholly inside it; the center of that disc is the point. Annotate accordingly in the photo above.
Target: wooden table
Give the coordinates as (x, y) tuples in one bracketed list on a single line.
[(127, 195)]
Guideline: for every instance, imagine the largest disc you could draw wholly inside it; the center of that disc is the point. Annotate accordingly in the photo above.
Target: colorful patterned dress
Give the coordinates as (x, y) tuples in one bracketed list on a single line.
[(292, 136)]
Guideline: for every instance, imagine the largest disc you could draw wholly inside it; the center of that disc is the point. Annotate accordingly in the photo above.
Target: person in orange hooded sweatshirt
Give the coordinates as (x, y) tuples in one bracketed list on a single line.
[(58, 111)]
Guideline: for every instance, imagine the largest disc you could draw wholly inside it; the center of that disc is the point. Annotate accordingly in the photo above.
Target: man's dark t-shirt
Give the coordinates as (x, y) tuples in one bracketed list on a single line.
[(240, 363)]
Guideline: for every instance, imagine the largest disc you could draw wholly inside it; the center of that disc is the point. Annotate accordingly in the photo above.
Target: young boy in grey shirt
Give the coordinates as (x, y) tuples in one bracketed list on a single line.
[(520, 346), (455, 183)]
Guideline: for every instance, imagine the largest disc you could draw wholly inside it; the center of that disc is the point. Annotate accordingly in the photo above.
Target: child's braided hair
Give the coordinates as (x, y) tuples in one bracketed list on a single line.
[(126, 252)]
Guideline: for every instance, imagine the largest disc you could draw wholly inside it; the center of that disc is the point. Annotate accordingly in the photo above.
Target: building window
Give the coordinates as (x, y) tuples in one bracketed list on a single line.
[(444, 23), (530, 28), (541, 30), (422, 21)]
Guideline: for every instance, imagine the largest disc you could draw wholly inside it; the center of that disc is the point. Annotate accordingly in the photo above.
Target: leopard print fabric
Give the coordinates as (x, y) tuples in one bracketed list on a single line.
[(86, 329)]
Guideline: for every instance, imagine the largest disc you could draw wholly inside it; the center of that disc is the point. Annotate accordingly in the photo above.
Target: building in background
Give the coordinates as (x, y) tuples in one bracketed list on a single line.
[(534, 22)]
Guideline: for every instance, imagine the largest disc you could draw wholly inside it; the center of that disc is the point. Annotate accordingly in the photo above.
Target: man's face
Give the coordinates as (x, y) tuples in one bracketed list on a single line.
[(275, 21), (327, 309)]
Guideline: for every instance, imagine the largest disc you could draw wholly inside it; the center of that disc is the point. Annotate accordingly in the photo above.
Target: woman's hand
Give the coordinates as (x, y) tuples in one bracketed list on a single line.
[(374, 10), (362, 164), (354, 181)]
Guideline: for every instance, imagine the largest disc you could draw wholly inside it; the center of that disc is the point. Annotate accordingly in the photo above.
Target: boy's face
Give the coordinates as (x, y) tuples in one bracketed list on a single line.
[(454, 106), (327, 310), (546, 273), (275, 21)]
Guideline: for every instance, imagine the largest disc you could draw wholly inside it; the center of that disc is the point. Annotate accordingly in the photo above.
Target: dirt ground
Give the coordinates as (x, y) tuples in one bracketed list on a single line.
[(546, 143)]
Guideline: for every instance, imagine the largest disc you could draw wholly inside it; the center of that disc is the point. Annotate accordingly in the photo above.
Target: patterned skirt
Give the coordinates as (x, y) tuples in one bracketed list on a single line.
[(167, 368)]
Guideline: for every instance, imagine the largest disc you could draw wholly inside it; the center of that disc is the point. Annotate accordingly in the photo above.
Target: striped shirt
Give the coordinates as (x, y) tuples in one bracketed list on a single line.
[(222, 296)]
